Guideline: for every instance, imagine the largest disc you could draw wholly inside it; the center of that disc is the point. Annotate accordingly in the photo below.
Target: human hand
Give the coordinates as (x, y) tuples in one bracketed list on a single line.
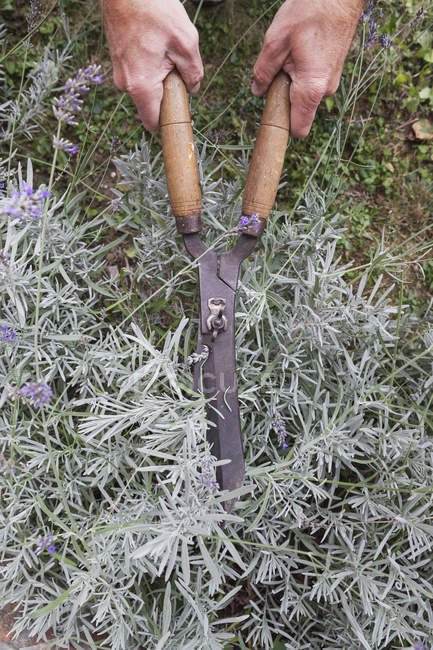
[(147, 39), (309, 40)]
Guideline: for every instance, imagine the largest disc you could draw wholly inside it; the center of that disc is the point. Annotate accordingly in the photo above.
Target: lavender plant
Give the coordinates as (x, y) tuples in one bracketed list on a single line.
[(111, 520), (19, 115), (2, 40), (331, 529)]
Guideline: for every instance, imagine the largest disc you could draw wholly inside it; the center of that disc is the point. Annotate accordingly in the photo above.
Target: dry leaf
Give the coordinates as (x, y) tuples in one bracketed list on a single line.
[(113, 271), (422, 129)]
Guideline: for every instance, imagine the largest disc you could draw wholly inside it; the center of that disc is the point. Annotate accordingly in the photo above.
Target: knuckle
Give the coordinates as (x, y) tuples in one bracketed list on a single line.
[(197, 77), (259, 74), (118, 77), (316, 92), (131, 87), (186, 40), (271, 44), (119, 82), (135, 86), (332, 88)]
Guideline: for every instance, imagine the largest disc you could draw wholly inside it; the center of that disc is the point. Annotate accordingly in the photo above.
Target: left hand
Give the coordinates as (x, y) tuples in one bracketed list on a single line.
[(309, 40)]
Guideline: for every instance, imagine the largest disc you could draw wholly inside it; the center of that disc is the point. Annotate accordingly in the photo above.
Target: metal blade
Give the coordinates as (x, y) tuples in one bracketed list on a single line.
[(215, 378)]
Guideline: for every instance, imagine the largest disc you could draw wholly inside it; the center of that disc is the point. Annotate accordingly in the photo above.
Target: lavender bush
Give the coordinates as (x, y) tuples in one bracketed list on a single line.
[(111, 519)]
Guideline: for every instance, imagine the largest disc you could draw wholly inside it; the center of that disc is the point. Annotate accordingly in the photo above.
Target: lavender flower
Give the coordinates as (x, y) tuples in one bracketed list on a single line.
[(114, 205), (207, 476), (2, 186), (38, 393), (7, 334), (24, 203), (70, 102), (418, 15), (115, 144), (45, 543), (281, 431), (421, 646), (249, 222), (372, 33), (65, 145), (385, 40), (34, 15), (370, 15), (195, 357)]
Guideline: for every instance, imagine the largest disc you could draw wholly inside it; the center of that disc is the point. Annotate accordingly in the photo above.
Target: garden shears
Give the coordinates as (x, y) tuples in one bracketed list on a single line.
[(215, 370)]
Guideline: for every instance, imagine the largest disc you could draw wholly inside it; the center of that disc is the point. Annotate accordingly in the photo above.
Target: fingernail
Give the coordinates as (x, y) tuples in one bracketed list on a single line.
[(255, 89)]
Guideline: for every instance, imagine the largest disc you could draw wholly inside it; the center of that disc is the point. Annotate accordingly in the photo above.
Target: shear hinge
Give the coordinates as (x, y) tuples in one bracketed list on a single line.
[(216, 321)]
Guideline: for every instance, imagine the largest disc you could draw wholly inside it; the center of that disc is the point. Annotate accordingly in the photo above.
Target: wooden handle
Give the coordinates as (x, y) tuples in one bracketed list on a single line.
[(268, 155), (180, 159)]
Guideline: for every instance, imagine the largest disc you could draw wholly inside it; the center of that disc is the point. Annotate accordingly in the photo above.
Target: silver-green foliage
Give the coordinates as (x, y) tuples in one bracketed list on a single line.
[(328, 546), (20, 114)]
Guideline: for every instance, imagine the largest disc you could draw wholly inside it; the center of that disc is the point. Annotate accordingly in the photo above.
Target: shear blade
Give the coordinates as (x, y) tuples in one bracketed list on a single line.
[(215, 378)]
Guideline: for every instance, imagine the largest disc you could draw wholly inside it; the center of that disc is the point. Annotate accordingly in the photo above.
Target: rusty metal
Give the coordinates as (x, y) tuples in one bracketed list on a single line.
[(191, 223)]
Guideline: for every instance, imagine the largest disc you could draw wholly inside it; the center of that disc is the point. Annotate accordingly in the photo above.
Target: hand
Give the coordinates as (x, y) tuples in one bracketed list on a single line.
[(147, 39), (308, 39)]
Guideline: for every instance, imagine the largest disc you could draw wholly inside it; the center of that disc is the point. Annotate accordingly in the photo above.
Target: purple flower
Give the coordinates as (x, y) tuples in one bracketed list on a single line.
[(385, 40), (4, 258), (70, 102), (65, 145), (415, 21), (44, 542), (115, 204), (2, 186), (24, 203), (207, 476), (115, 144), (195, 357), (38, 393), (249, 222), (8, 334), (281, 431), (34, 15), (370, 15), (421, 646)]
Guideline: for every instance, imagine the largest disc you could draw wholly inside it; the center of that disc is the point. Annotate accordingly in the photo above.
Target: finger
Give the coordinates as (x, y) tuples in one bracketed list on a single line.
[(305, 97), (147, 99), (269, 62), (191, 76), (187, 59)]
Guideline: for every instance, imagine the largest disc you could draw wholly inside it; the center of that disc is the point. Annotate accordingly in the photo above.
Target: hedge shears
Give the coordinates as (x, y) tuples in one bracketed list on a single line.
[(215, 371)]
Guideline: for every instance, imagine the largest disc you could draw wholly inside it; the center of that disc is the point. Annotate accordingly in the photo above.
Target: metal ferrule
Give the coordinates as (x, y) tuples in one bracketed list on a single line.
[(188, 224)]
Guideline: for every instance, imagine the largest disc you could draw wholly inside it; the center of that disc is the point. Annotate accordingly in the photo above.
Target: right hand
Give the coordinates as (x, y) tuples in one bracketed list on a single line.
[(147, 39)]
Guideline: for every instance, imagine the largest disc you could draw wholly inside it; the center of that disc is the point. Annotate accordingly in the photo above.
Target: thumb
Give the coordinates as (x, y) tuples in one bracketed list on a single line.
[(269, 63)]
